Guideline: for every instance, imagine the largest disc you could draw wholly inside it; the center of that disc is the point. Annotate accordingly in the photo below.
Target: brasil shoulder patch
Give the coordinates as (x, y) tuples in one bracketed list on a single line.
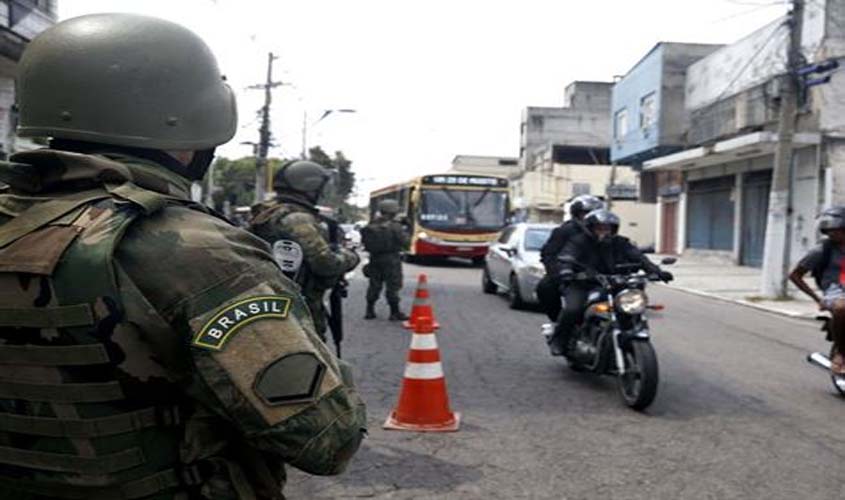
[(217, 330)]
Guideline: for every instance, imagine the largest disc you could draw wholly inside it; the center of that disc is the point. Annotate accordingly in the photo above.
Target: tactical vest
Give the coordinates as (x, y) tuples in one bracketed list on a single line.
[(262, 227), (378, 238), (73, 424)]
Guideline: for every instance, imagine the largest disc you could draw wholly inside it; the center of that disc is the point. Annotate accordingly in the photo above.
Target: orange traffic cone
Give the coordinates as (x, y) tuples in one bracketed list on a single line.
[(423, 403), (421, 305)]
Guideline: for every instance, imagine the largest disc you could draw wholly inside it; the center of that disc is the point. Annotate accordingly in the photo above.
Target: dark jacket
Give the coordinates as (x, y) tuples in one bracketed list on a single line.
[(583, 250), (556, 242)]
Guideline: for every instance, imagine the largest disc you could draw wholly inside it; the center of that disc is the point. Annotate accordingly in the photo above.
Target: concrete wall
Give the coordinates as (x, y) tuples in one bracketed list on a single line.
[(593, 96), (485, 165), (639, 221), (739, 66)]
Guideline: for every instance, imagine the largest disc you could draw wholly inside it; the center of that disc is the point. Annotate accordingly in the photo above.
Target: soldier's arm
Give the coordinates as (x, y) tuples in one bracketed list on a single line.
[(402, 234), (232, 330), (321, 259)]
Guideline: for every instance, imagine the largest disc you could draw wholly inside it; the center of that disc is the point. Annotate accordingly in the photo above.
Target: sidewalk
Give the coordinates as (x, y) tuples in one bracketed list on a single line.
[(714, 278)]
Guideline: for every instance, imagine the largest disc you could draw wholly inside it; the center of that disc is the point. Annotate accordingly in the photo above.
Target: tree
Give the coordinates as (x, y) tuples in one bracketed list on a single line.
[(234, 181)]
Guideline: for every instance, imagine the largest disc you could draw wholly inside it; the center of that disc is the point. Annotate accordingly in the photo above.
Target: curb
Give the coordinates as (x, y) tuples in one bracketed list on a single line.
[(742, 302)]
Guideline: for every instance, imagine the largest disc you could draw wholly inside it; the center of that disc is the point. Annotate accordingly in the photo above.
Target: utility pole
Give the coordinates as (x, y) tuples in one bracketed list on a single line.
[(262, 181), (776, 254)]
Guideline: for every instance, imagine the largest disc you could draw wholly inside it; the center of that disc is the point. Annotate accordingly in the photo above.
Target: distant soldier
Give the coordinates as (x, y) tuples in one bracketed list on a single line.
[(148, 348), (293, 216), (384, 238)]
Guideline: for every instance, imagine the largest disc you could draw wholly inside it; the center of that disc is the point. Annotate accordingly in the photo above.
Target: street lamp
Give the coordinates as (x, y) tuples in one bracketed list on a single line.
[(325, 114)]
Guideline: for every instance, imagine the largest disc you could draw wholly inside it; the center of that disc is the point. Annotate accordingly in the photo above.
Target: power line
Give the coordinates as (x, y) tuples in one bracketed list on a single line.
[(750, 60)]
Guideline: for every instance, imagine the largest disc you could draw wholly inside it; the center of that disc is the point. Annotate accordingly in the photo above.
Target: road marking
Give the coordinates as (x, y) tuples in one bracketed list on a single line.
[(424, 371)]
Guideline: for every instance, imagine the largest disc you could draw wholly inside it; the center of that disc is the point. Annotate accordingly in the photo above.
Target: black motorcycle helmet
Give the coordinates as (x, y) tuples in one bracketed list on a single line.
[(584, 204), (602, 217), (830, 219)]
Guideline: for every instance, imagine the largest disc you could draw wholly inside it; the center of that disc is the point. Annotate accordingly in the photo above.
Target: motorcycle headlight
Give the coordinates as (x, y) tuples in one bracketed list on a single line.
[(632, 301)]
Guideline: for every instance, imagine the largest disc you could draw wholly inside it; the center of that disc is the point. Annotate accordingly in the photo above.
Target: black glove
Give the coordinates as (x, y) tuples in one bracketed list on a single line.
[(665, 276)]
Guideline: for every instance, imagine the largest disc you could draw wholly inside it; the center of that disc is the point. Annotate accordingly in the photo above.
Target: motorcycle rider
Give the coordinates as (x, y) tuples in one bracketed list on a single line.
[(548, 288), (599, 249), (826, 263)]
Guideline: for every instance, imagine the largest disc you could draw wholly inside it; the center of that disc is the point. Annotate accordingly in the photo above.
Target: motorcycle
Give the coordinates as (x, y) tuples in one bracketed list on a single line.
[(613, 338), (822, 361)]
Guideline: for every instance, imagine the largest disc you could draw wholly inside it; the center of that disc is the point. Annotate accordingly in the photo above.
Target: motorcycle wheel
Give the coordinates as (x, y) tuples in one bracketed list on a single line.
[(837, 380), (638, 386)]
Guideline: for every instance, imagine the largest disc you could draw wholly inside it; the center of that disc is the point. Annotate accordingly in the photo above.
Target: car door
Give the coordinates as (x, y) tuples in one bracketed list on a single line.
[(498, 260)]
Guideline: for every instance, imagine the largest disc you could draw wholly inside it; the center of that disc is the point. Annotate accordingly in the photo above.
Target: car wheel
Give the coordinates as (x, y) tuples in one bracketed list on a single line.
[(514, 295), (487, 285)]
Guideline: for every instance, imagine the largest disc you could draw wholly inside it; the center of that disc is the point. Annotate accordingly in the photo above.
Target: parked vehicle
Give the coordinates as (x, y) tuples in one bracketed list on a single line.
[(823, 361), (614, 337), (512, 263), (351, 235)]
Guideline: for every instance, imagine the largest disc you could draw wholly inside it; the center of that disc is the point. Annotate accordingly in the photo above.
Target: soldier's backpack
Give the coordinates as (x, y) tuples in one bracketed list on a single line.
[(378, 238)]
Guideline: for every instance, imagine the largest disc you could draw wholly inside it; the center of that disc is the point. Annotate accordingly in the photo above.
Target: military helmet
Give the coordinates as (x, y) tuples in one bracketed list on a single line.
[(127, 80), (302, 176), (584, 204), (603, 217), (388, 207), (831, 218)]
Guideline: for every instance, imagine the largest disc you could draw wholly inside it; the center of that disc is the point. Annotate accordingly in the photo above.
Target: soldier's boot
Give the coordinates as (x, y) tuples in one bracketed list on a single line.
[(396, 314), (371, 311)]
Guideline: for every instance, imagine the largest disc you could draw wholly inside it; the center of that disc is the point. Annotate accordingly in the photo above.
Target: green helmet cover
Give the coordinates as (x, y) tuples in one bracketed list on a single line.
[(127, 80), (303, 176)]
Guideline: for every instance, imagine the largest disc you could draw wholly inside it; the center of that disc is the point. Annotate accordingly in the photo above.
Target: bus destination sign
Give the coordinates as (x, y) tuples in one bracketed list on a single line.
[(464, 180)]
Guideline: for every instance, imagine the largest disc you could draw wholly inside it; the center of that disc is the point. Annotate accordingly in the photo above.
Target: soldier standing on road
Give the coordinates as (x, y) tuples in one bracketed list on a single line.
[(294, 217), (385, 238), (148, 349)]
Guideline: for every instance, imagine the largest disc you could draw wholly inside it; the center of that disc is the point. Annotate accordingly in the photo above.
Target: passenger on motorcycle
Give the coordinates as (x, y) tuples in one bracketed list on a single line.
[(826, 263), (548, 288), (599, 249)]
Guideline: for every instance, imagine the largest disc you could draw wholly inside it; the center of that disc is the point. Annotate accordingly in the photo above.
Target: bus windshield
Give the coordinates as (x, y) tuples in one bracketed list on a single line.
[(444, 208)]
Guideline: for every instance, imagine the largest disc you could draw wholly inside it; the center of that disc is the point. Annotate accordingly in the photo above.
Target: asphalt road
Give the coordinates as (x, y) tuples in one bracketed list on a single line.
[(739, 413)]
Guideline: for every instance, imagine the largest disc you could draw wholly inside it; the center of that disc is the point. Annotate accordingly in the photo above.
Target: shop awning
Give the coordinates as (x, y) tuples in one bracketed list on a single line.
[(737, 148)]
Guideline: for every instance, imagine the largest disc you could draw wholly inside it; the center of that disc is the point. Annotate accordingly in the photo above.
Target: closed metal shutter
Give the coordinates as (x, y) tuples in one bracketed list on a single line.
[(710, 214)]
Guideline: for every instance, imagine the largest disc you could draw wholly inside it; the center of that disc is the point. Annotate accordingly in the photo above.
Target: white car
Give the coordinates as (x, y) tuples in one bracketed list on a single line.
[(351, 235), (512, 263)]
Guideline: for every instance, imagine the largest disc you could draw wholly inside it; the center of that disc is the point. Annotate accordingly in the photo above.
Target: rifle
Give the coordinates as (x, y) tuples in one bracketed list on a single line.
[(339, 291)]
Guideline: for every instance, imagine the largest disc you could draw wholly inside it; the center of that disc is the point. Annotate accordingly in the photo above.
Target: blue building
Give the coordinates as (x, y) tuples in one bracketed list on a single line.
[(649, 120), (647, 104)]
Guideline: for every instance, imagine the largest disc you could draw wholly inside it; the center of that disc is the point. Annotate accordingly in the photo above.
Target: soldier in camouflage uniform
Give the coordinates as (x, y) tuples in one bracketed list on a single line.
[(148, 349), (385, 238), (294, 217)]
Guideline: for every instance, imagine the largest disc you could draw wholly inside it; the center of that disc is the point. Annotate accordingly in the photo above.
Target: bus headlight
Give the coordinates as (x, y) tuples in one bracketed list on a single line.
[(422, 235), (631, 301)]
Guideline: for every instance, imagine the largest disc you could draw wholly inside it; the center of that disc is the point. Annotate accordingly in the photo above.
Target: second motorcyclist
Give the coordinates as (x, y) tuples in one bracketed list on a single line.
[(598, 249), (548, 288)]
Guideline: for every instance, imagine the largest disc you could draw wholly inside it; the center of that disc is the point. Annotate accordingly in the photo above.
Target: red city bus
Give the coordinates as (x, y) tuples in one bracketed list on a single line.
[(449, 215)]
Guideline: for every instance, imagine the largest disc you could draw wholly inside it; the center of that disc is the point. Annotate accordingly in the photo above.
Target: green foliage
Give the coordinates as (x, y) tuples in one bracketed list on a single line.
[(234, 181)]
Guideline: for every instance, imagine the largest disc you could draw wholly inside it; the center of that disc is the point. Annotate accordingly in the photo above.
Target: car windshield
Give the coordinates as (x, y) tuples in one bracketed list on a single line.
[(463, 209), (536, 238)]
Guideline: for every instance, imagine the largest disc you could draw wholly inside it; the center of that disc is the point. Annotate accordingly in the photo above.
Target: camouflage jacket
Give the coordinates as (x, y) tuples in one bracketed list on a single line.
[(387, 228), (293, 218), (183, 309)]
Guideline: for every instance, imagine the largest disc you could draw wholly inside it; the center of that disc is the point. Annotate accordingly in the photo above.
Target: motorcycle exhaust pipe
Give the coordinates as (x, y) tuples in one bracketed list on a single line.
[(820, 360)]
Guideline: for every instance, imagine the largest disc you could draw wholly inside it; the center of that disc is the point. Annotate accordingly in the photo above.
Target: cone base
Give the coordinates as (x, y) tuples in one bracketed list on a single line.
[(410, 326), (393, 424)]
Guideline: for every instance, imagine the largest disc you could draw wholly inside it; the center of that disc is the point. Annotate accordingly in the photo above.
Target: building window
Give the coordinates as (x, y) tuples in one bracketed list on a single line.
[(648, 112), (579, 188), (620, 124)]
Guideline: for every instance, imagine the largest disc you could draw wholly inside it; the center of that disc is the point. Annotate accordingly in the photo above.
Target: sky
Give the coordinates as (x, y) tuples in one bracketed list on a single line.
[(429, 79)]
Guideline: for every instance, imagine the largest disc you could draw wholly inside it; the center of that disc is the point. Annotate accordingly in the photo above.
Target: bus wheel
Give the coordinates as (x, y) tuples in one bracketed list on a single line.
[(478, 261)]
